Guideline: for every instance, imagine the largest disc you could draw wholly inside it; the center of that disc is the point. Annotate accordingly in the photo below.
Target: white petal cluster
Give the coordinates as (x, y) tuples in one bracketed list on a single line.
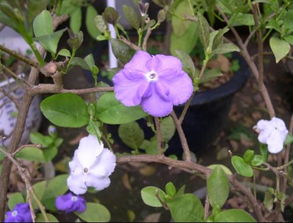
[(273, 133), (91, 166)]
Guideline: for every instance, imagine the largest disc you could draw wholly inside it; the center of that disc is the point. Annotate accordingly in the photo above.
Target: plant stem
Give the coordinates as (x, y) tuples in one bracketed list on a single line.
[(182, 137), (19, 56), (11, 73), (159, 136)]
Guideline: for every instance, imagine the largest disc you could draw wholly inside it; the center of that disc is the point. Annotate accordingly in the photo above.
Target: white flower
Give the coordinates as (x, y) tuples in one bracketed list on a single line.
[(273, 133), (91, 166)]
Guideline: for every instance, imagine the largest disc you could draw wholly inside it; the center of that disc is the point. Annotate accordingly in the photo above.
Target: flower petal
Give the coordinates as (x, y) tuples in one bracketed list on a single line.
[(127, 91), (180, 87), (64, 202), (88, 150), (275, 142), (156, 105), (138, 61), (99, 183), (167, 63), (105, 164), (77, 184)]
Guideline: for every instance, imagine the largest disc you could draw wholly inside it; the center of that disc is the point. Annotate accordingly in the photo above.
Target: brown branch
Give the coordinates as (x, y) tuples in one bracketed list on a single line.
[(19, 56), (52, 88), (130, 44), (11, 73), (244, 52), (146, 37), (182, 137)]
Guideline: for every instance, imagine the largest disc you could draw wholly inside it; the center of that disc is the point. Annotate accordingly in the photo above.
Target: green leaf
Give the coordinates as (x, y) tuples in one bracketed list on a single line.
[(179, 24), (110, 15), (50, 41), (224, 168), (14, 199), (110, 111), (91, 13), (241, 19), (150, 146), (131, 16), (54, 187), (43, 24), (226, 48), (75, 20), (241, 167), (31, 153), (38, 138), (167, 128), (203, 29), (39, 189), (268, 200), (131, 134), (170, 189), (279, 47), (289, 139), (40, 218), (65, 110), (64, 52), (188, 65), (89, 59), (121, 51), (95, 213), (248, 156), (186, 208), (257, 160), (234, 215), (150, 196), (289, 39), (77, 61), (217, 187)]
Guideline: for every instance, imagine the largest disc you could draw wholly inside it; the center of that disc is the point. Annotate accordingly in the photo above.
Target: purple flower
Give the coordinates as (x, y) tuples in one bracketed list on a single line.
[(20, 213), (70, 203), (154, 82)]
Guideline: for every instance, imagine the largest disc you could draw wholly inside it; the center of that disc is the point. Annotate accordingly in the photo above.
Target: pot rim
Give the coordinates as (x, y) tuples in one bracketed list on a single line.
[(232, 86)]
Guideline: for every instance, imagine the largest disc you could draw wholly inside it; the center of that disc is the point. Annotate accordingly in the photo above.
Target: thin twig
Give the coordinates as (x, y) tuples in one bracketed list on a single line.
[(183, 140), (11, 73), (206, 207), (11, 98), (146, 37), (130, 44), (19, 56)]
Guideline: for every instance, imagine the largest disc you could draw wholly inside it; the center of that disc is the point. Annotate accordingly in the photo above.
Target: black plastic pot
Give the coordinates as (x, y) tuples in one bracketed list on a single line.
[(208, 113)]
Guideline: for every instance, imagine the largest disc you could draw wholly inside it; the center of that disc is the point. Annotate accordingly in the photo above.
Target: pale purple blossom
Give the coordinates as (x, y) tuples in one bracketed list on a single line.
[(91, 166), (155, 82), (273, 133), (20, 213), (70, 203)]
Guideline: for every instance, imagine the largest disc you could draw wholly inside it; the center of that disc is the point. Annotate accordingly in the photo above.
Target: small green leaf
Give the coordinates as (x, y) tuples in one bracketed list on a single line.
[(170, 189), (268, 200), (65, 110), (39, 189), (43, 24), (248, 155), (150, 196), (50, 41), (218, 187), (279, 47), (167, 128), (241, 19), (95, 212), (38, 138), (234, 215), (289, 139), (77, 61), (226, 48), (257, 160), (186, 208), (110, 15), (110, 111), (121, 51), (203, 29), (241, 167), (131, 16), (150, 146), (224, 168), (91, 13), (31, 153), (64, 52), (14, 199), (131, 134), (75, 20), (188, 65), (40, 218)]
